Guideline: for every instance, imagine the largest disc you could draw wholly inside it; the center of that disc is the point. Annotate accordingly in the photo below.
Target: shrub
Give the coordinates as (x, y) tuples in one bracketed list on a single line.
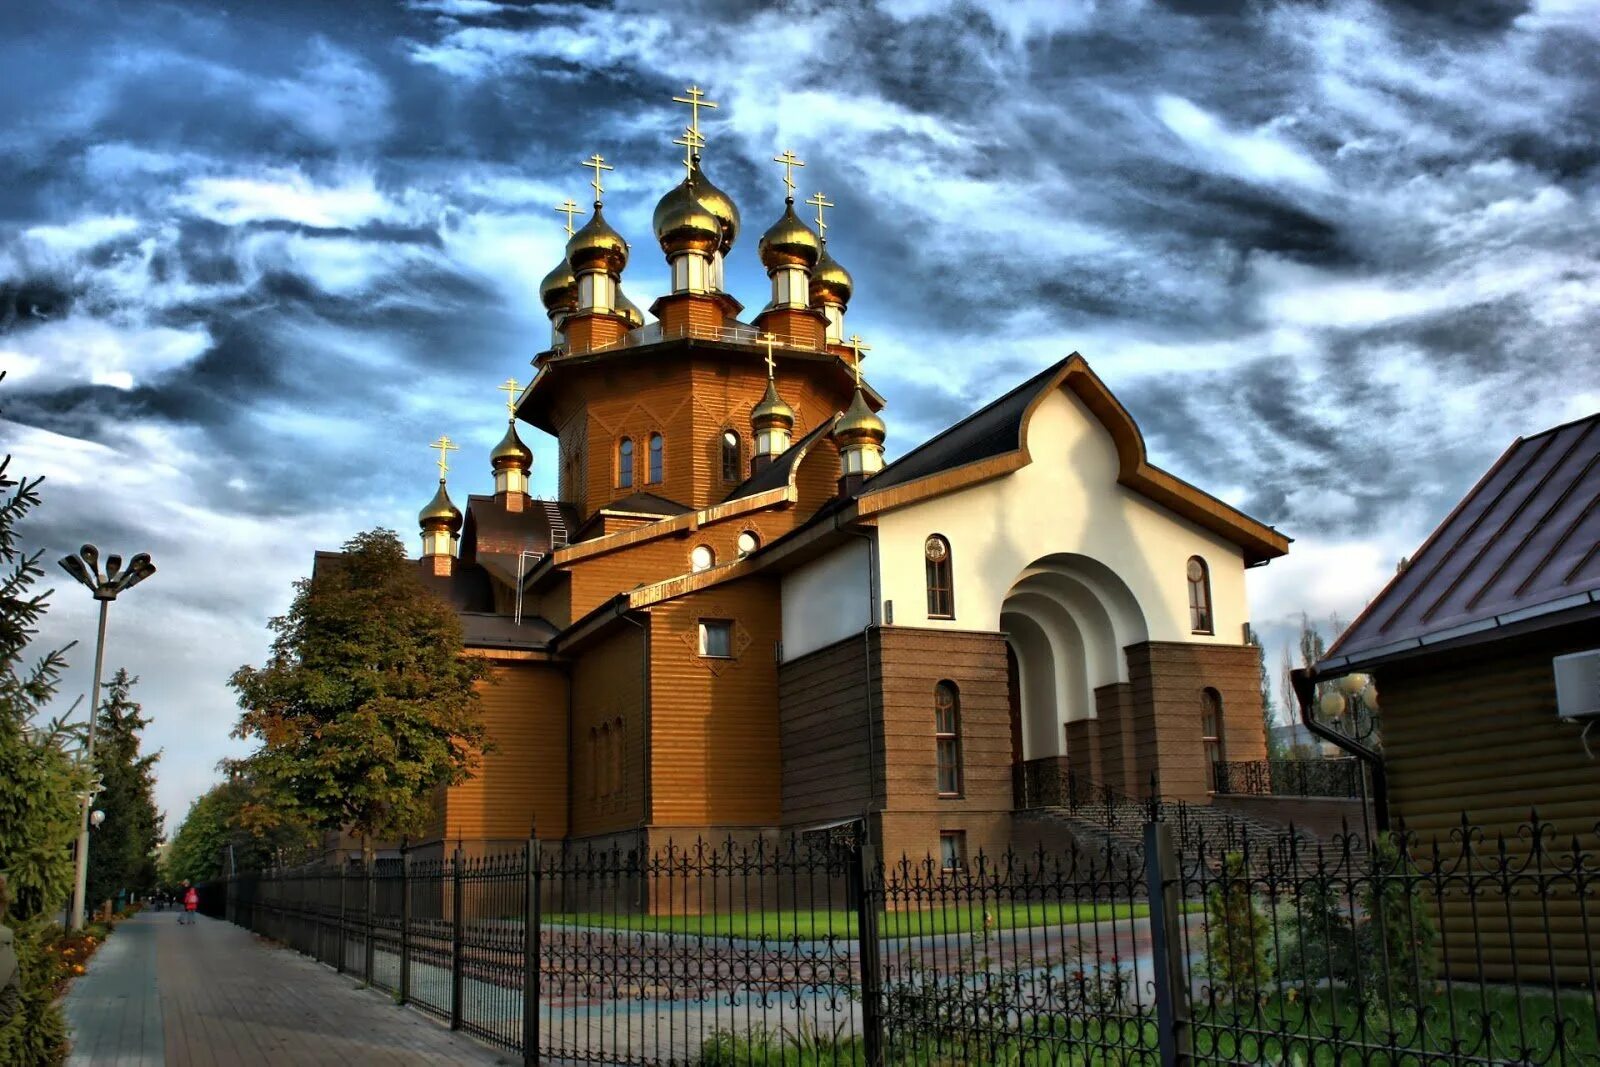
[(1237, 936), (1398, 936), (37, 1036)]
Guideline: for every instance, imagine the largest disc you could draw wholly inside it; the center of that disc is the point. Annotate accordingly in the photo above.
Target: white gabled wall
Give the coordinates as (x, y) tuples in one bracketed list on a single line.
[(827, 599), (1067, 500)]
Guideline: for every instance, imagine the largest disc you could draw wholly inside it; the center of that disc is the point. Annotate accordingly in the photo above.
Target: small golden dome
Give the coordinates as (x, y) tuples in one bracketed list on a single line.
[(597, 246), (771, 410), (789, 243), (683, 224), (629, 310), (720, 204), (559, 290), (830, 283), (440, 512), (860, 421), (511, 452)]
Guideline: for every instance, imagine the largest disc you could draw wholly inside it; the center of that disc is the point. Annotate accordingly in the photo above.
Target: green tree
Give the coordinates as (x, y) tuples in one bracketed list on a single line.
[(214, 826), (39, 783), (1238, 934), (366, 705), (122, 852), (1269, 717)]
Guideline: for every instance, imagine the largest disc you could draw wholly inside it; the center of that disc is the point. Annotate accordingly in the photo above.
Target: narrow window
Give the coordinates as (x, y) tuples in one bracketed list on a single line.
[(625, 463), (618, 747), (716, 638), (1199, 596), (730, 456), (953, 849), (1211, 734), (947, 737), (941, 591), (702, 558), (603, 764), (656, 458), (594, 764)]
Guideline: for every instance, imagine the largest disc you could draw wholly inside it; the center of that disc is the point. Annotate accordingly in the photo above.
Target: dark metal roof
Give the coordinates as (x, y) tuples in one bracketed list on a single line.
[(1524, 544), (487, 630), (992, 430), (775, 475), (642, 503)]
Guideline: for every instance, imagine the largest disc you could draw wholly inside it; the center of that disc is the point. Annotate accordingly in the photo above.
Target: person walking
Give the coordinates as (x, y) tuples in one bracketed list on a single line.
[(191, 903)]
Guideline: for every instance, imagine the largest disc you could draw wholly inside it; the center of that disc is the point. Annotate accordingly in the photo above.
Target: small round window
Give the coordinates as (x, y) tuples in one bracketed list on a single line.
[(748, 543), (702, 558), (936, 549), (1197, 570)]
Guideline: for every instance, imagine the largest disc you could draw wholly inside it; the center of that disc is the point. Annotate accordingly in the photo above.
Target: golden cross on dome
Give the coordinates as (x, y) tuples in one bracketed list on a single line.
[(511, 389), (769, 341), (569, 209), (598, 163), (693, 99), (818, 201), (692, 142), (445, 447), (789, 161), (859, 346)]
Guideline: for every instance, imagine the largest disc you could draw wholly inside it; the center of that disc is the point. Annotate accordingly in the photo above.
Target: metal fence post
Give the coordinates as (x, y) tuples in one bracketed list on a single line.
[(371, 887), (339, 952), (863, 864), (405, 924), (1174, 1036), (531, 917), (457, 926)]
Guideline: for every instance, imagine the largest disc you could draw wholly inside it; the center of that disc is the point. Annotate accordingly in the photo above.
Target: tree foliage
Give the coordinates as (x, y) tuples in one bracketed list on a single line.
[(214, 825), (39, 781), (1269, 718), (122, 852), (366, 705)]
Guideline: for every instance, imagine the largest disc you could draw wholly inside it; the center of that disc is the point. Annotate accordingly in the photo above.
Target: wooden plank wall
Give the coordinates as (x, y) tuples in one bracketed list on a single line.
[(608, 685), (523, 778), (1476, 733), (828, 771), (714, 723)]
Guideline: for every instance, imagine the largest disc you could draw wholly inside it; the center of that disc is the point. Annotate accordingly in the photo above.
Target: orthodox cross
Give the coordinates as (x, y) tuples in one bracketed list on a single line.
[(789, 161), (569, 209), (510, 388), (859, 346), (598, 163), (818, 201), (693, 99), (445, 447), (692, 143), (769, 341)]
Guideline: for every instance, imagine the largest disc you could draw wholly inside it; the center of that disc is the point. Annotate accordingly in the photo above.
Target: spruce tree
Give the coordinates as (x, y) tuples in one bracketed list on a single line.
[(122, 852)]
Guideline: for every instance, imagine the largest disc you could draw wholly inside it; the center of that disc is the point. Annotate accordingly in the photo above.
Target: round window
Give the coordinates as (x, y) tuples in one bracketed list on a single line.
[(748, 543), (1196, 570), (936, 549), (702, 558)]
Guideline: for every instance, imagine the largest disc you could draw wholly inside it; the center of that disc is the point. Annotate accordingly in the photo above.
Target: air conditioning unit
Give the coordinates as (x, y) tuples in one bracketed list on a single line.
[(1577, 684)]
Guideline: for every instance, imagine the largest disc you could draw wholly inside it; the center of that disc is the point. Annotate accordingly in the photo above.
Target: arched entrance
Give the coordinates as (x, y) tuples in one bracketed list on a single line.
[(1067, 620)]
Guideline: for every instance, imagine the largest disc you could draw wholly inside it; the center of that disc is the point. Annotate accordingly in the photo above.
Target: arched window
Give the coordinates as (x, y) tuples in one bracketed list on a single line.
[(731, 467), (1211, 734), (947, 737), (748, 542), (657, 447), (1200, 620), (625, 463), (941, 590), (702, 558)]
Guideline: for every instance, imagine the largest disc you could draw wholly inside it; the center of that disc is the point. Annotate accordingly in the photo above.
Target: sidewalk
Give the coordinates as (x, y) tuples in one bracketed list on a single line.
[(213, 994)]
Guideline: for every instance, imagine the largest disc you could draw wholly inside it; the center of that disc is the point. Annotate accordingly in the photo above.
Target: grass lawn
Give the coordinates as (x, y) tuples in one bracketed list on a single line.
[(819, 924)]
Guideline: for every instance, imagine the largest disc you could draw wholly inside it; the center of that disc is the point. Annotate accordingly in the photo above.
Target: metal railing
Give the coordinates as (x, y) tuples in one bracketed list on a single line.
[(655, 332), (1339, 778), (1474, 948)]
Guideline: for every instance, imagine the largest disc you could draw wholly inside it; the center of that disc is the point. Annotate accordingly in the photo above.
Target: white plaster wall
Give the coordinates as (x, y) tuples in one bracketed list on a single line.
[(1066, 500), (826, 600)]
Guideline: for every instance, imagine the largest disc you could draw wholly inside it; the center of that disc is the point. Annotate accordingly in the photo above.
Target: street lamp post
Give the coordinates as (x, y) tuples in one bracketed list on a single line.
[(85, 567)]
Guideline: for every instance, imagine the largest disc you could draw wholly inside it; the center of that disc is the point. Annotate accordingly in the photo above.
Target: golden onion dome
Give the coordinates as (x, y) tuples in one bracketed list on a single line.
[(771, 410), (789, 243), (511, 452), (830, 283), (559, 290), (629, 310), (596, 246), (440, 512), (720, 204), (859, 420), (683, 224)]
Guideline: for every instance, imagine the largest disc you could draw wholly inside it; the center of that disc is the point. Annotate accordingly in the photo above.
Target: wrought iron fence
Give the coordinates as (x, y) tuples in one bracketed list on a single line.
[(1468, 949), (1290, 778)]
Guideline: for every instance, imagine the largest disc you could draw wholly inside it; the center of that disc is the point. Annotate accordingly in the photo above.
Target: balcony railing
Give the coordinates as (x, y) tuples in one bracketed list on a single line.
[(1339, 778), (656, 332)]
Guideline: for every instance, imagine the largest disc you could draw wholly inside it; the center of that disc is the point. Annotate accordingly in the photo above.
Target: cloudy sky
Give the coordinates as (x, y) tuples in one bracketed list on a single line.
[(1333, 256)]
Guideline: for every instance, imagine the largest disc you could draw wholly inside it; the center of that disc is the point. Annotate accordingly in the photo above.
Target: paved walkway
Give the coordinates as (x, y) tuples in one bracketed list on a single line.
[(215, 995)]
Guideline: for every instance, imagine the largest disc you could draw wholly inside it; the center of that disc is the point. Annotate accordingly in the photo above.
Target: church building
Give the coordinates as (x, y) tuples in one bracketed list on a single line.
[(738, 619)]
